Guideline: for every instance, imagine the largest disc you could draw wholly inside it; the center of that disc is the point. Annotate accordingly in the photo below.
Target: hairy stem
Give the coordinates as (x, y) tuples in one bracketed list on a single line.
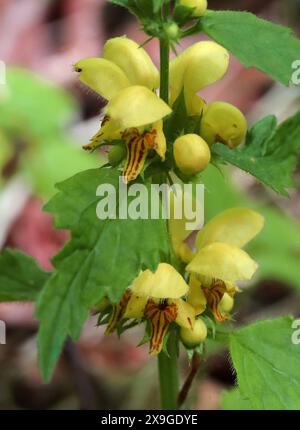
[(167, 365)]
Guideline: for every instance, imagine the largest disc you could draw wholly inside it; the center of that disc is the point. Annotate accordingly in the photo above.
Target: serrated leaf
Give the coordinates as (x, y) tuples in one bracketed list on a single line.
[(101, 259), (273, 159), (21, 279), (255, 42), (267, 364)]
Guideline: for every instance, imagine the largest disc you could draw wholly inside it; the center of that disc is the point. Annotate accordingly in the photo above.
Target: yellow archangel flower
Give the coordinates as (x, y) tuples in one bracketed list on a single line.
[(199, 66), (219, 262), (156, 297), (126, 77)]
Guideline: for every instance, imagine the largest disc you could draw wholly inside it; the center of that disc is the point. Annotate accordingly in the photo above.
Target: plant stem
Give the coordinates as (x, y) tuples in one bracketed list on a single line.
[(168, 375), (164, 69), (167, 365)]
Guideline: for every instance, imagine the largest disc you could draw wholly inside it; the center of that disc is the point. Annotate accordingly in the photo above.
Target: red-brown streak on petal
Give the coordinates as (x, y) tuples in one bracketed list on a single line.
[(117, 313), (131, 148), (160, 320), (150, 137), (164, 324), (132, 168), (129, 137), (139, 161), (138, 148), (214, 295), (136, 164), (132, 138), (157, 322), (190, 322)]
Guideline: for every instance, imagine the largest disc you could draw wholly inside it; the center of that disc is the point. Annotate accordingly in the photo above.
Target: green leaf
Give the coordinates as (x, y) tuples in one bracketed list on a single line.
[(232, 400), (268, 154), (20, 277), (101, 259), (267, 364), (255, 42)]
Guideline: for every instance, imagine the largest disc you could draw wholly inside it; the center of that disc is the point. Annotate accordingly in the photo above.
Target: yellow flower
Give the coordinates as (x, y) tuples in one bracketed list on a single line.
[(224, 123), (126, 77), (123, 64), (219, 261), (198, 66), (134, 115), (158, 298)]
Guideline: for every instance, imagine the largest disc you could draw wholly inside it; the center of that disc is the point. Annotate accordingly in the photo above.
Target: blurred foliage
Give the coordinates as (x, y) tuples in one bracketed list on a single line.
[(84, 274), (33, 136)]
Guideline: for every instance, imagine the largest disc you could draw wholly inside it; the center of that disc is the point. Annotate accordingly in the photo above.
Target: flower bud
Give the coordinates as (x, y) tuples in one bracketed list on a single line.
[(224, 123), (116, 155), (226, 303), (199, 6), (172, 31), (135, 106), (193, 337), (191, 153)]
